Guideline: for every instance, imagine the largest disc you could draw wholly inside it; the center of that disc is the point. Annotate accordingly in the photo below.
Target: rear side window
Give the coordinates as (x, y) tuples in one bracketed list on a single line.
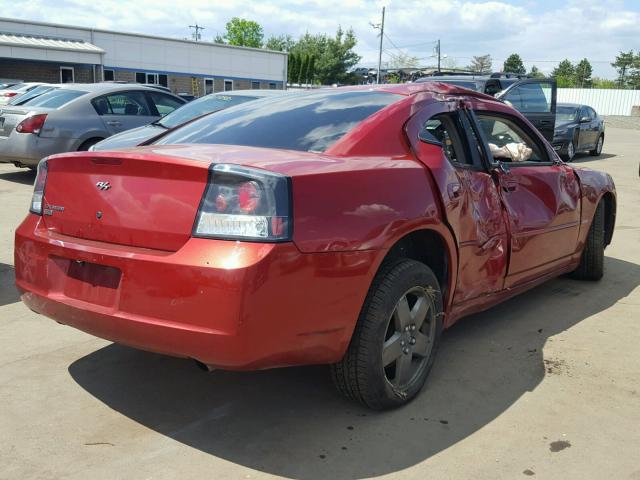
[(164, 103), (446, 129), (306, 122), (122, 103), (55, 98)]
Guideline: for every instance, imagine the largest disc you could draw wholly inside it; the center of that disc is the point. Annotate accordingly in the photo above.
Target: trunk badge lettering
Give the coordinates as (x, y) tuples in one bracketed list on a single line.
[(103, 185)]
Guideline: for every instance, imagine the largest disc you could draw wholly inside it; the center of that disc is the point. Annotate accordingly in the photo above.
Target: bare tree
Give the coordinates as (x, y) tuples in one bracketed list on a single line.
[(481, 64), (403, 60)]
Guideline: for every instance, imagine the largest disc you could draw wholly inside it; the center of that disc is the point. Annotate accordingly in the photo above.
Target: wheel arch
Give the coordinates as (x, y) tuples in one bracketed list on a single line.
[(435, 249), (610, 207)]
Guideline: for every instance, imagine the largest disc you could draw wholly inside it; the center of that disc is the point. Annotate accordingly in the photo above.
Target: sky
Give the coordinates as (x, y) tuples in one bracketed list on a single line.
[(541, 32)]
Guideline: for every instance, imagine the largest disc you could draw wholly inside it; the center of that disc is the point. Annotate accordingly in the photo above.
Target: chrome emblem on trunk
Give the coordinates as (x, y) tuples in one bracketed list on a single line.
[(103, 185)]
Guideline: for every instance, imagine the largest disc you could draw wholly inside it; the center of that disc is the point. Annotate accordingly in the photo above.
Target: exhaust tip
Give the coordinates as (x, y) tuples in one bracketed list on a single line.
[(203, 366)]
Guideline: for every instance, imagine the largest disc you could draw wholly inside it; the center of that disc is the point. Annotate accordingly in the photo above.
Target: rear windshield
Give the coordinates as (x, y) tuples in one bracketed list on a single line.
[(54, 99), (25, 97), (306, 122), (197, 108)]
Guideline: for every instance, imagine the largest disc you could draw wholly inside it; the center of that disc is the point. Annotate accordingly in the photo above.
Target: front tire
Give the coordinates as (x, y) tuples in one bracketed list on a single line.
[(396, 337), (592, 261)]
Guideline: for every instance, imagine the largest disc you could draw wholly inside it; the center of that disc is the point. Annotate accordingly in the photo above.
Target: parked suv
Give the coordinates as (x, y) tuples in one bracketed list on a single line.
[(533, 97)]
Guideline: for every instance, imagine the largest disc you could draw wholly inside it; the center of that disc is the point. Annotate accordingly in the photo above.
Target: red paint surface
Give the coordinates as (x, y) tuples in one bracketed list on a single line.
[(136, 275)]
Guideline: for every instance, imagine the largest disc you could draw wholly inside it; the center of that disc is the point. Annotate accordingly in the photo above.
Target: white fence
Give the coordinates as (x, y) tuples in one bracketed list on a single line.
[(603, 101)]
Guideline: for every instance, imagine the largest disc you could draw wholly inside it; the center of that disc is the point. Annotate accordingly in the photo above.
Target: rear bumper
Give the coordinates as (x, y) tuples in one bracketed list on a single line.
[(232, 305), (28, 149)]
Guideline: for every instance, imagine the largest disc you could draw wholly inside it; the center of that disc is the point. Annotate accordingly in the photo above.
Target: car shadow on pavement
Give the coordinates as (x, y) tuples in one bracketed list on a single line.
[(23, 176), (291, 422), (8, 292), (585, 157)]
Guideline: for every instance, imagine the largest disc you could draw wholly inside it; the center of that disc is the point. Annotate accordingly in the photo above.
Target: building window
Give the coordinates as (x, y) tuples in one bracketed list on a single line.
[(163, 80), (152, 78), (255, 85), (141, 77), (228, 85), (208, 86), (108, 75), (66, 75), (272, 86)]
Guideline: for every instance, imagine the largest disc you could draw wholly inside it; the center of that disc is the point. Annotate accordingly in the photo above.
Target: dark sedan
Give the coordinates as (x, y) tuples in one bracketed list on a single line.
[(578, 129)]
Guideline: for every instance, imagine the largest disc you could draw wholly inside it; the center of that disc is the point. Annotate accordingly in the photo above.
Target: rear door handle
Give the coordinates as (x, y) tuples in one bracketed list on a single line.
[(114, 123)]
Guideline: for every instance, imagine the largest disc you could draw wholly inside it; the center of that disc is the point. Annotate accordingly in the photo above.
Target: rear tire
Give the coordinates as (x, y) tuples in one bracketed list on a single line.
[(571, 152), (598, 148), (396, 338), (592, 261), (87, 144)]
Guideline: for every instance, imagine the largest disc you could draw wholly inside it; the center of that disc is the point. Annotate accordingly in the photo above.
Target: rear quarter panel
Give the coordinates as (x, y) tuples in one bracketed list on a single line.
[(365, 206)]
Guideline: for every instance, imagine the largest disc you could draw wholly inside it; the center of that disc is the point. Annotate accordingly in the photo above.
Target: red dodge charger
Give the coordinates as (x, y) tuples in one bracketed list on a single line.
[(344, 226)]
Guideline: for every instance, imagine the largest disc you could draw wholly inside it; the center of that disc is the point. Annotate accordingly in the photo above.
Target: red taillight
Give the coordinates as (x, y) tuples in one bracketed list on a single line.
[(10, 94), (242, 203), (248, 197), (32, 124)]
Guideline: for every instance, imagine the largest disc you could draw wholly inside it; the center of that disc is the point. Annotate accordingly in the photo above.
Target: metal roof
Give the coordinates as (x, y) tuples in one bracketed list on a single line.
[(50, 43)]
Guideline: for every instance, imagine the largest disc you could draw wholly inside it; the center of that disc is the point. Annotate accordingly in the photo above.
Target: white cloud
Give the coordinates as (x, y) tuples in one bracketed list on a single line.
[(541, 32)]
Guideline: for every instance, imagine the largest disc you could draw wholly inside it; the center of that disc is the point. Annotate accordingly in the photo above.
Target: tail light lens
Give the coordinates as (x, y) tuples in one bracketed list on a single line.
[(32, 124), (242, 203), (9, 94), (38, 188)]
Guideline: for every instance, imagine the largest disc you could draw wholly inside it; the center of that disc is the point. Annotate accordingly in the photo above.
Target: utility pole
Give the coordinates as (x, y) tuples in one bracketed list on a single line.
[(380, 52), (196, 33), (438, 47), (381, 27)]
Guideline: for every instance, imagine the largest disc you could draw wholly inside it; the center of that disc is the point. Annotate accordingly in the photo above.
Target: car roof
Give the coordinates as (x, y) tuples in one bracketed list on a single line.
[(433, 88), (106, 87)]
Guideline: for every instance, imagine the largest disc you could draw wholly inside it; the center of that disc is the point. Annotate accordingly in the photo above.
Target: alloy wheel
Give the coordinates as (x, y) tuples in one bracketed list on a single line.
[(570, 150), (409, 338), (599, 145)]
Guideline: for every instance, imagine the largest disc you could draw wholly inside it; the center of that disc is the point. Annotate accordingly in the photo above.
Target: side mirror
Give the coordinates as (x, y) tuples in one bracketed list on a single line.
[(585, 120)]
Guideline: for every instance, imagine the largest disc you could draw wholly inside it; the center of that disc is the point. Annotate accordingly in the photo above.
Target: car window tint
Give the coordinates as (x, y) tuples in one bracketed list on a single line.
[(202, 106), (165, 104), (446, 130), (307, 122), (25, 97), (566, 114), (508, 142), (55, 98), (530, 97), (125, 103)]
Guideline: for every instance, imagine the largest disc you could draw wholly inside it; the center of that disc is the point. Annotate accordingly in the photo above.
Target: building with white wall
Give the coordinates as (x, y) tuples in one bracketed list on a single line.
[(45, 52)]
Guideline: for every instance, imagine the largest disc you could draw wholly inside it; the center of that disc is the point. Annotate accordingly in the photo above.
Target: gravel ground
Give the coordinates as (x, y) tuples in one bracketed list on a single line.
[(619, 121)]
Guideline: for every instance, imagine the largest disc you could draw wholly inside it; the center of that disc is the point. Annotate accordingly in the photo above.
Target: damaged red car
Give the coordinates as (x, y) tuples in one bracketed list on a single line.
[(346, 227)]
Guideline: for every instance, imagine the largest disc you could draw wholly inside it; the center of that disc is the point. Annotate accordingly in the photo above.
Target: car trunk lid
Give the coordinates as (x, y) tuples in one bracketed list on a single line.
[(124, 198)]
